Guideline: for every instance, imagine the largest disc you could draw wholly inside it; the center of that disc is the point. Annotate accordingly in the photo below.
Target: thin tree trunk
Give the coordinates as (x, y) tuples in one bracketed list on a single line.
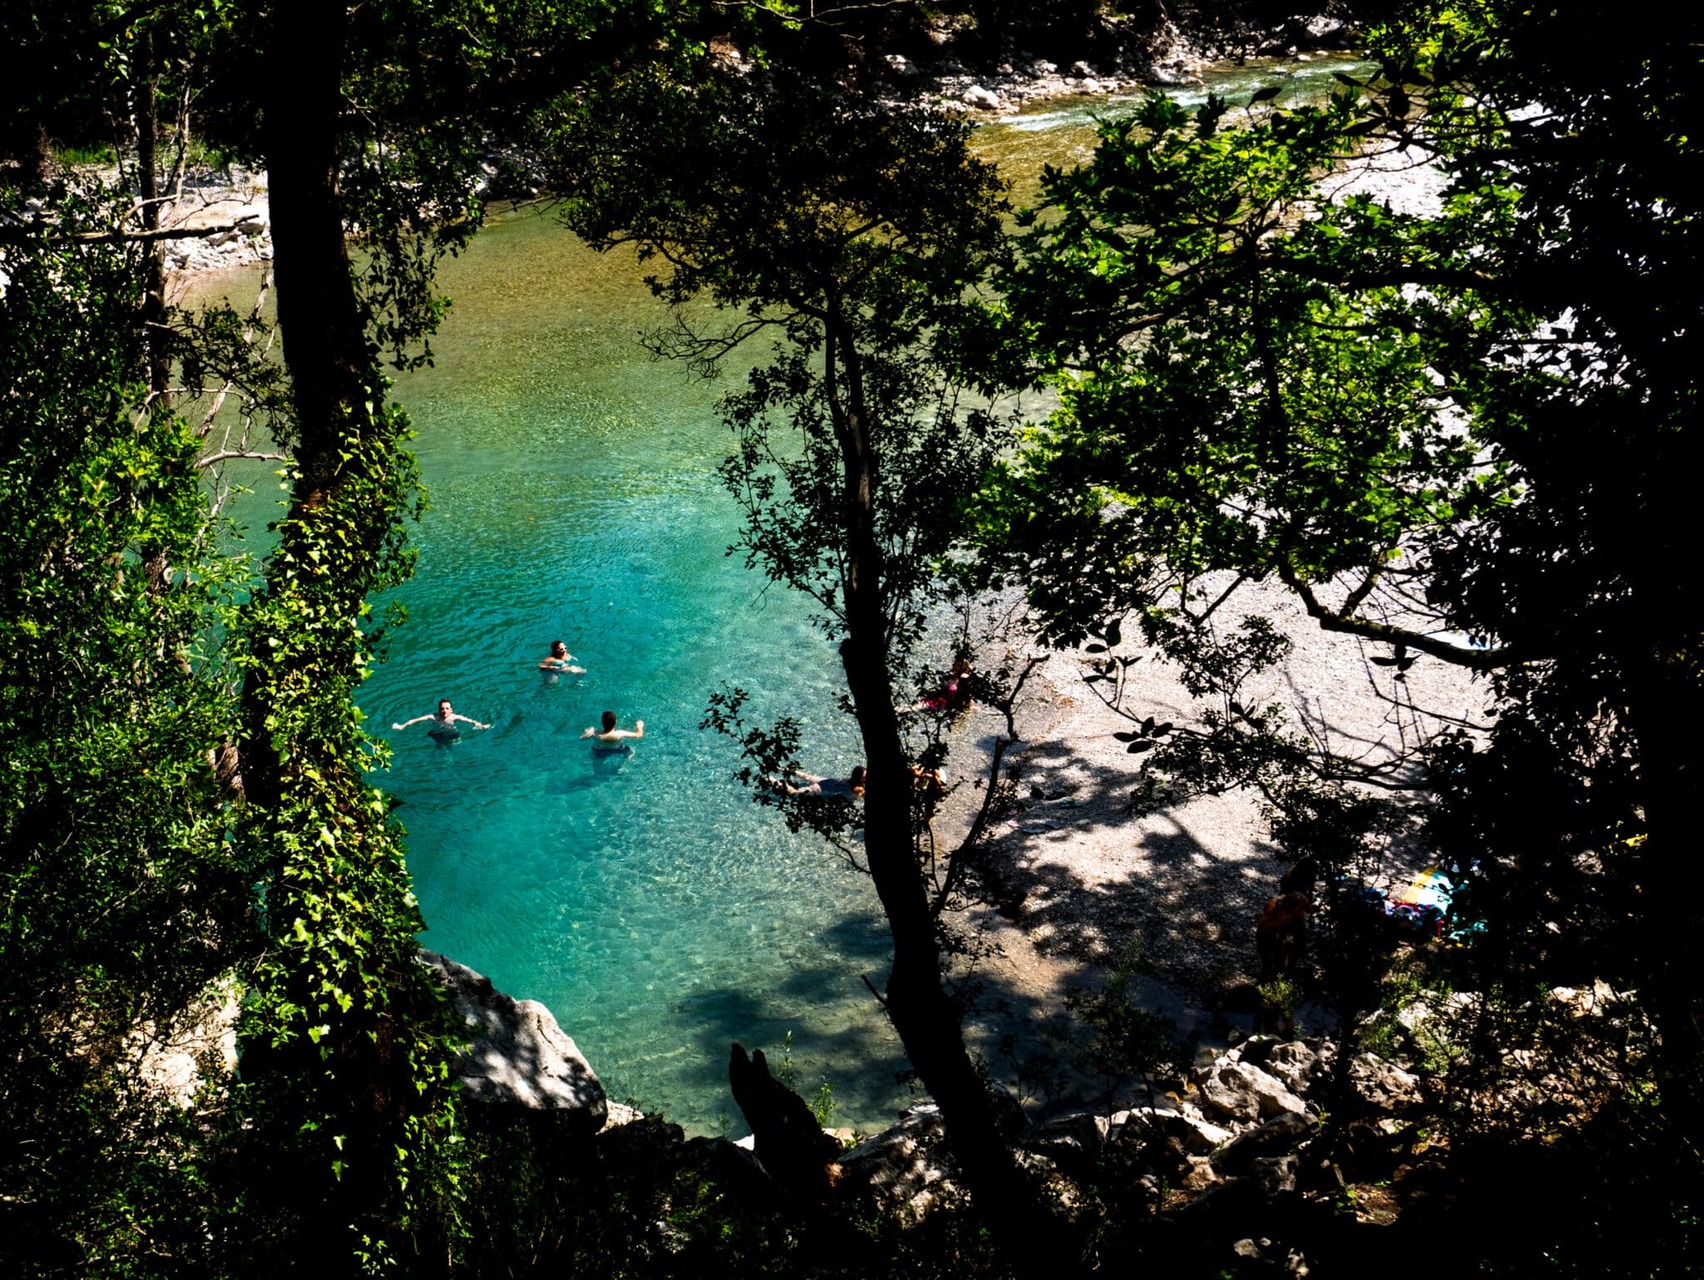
[(925, 1016), (335, 391), (325, 346), (1667, 705), (148, 182)]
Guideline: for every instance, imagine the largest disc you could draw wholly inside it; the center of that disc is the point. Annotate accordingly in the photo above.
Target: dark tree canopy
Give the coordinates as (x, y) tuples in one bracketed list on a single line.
[(1462, 432)]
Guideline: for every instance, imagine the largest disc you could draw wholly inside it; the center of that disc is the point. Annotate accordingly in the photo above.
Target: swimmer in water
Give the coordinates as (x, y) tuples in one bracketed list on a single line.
[(609, 740), (850, 787), (444, 721), (560, 661)]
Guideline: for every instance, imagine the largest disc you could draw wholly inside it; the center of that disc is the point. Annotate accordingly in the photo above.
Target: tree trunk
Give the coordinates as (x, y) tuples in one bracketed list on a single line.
[(1666, 707), (925, 1016), (148, 182), (326, 349), (356, 1075)]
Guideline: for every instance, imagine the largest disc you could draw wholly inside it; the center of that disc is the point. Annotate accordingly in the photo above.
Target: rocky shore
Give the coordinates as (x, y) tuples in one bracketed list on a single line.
[(1267, 1159), (1166, 57), (225, 219)]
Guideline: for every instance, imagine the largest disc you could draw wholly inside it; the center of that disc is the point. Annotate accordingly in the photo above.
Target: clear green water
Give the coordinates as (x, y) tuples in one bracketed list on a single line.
[(644, 899)]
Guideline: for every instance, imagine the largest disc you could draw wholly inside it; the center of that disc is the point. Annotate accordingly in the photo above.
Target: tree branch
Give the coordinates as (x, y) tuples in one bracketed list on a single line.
[(24, 233), (1385, 633)]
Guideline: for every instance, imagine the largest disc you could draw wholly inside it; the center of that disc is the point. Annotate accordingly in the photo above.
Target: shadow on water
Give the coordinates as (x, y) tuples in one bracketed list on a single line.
[(854, 1054)]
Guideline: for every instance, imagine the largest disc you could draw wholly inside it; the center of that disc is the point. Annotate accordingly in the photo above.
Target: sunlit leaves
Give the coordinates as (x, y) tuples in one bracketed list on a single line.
[(120, 897), (1227, 402)]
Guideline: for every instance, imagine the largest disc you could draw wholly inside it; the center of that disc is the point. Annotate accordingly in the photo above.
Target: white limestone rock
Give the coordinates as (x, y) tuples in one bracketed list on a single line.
[(1198, 1136), (1294, 1064), (519, 1055), (902, 1167), (1383, 1084), (1246, 1093)]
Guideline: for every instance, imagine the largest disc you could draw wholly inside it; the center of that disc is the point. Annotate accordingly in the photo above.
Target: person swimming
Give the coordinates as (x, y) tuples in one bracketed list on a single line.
[(850, 787), (611, 740), (560, 661), (444, 721)]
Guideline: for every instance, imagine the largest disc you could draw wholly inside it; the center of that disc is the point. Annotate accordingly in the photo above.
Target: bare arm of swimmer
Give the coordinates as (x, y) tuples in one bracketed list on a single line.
[(615, 735)]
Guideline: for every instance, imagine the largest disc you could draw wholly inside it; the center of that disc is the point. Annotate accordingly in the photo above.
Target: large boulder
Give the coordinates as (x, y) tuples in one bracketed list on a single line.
[(1245, 1093), (1293, 1063), (1383, 1085), (1278, 1137), (1070, 1143), (519, 1055), (1197, 1135)]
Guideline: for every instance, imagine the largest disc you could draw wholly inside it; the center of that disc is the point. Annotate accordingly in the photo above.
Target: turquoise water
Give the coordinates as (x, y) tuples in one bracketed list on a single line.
[(644, 899)]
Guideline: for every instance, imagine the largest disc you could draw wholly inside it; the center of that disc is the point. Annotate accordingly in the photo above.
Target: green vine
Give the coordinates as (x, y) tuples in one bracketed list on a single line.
[(358, 1029)]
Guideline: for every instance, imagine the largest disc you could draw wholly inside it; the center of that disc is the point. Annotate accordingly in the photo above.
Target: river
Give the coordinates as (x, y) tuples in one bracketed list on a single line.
[(645, 899)]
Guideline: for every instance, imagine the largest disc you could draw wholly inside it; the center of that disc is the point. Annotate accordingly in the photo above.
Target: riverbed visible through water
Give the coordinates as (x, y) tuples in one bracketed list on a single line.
[(644, 898)]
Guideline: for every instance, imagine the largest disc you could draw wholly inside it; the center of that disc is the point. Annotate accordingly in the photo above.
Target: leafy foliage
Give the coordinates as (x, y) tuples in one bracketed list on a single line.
[(844, 230), (1451, 430), (348, 1040), (121, 898), (1226, 405), (1118, 1040), (847, 231)]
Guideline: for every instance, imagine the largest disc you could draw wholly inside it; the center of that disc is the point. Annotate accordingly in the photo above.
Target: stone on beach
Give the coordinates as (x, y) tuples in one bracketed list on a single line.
[(1247, 1093)]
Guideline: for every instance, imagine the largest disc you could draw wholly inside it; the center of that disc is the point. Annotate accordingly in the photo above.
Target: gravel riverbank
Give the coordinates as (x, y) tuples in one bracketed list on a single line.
[(1083, 879)]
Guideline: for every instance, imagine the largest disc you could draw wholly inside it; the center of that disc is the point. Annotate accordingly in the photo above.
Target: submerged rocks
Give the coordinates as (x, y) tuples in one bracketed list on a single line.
[(519, 1055)]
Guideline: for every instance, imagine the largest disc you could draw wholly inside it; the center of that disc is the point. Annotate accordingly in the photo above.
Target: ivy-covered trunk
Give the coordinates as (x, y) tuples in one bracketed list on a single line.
[(346, 1048)]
